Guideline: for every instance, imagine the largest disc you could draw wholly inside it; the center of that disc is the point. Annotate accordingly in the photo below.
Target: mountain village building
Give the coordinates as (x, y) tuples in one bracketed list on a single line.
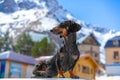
[(88, 44), (86, 67), (15, 65), (112, 48)]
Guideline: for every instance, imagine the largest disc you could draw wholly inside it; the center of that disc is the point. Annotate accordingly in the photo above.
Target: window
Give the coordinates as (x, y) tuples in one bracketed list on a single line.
[(116, 55), (85, 69), (116, 43), (97, 61), (15, 70), (95, 55)]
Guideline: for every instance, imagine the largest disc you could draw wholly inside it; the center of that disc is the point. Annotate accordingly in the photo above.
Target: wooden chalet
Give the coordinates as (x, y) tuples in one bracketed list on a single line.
[(88, 44), (112, 49)]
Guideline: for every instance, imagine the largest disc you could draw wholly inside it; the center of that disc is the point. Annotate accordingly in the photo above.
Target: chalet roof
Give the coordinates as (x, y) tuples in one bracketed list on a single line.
[(116, 38), (10, 55), (93, 61), (109, 43), (81, 37), (88, 57)]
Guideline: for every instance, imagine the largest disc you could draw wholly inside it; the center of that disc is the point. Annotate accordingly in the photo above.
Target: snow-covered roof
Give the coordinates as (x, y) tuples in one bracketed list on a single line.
[(116, 38), (82, 37), (10, 55), (110, 42), (43, 58)]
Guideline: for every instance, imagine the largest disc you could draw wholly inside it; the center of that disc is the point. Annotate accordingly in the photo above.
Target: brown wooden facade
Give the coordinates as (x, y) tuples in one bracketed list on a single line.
[(90, 46)]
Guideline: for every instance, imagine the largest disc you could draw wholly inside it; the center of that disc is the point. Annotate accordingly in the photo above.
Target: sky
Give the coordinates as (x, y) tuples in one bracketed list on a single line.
[(103, 13)]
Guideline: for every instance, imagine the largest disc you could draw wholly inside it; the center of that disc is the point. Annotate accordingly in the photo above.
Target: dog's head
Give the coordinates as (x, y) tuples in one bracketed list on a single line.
[(65, 28)]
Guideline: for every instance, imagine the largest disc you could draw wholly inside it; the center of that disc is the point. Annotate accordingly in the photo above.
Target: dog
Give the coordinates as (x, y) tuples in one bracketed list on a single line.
[(68, 54)]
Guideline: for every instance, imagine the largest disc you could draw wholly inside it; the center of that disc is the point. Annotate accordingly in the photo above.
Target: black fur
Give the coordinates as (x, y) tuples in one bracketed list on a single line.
[(73, 26), (68, 50)]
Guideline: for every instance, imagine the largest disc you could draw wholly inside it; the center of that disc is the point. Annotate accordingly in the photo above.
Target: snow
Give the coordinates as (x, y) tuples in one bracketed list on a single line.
[(18, 1), (69, 16), (1, 1), (36, 1), (102, 58), (20, 19), (108, 78), (48, 23), (97, 78), (5, 28), (5, 19)]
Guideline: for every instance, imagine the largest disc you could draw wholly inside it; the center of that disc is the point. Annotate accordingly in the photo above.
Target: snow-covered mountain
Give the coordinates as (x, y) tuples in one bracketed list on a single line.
[(45, 15), (18, 16)]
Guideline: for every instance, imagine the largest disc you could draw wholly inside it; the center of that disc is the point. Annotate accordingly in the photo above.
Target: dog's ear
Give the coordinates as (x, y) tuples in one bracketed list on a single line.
[(74, 27)]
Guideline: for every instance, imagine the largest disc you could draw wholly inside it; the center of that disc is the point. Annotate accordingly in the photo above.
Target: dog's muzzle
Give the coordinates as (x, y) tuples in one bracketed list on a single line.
[(55, 32)]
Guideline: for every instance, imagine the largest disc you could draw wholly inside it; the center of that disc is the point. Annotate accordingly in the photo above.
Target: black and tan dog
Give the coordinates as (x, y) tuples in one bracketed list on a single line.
[(66, 58)]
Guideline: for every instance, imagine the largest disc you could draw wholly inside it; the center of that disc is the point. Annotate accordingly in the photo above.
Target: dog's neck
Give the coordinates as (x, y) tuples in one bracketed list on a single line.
[(70, 44), (70, 51), (70, 39)]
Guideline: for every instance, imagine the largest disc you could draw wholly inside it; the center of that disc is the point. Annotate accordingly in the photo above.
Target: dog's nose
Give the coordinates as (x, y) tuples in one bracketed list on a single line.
[(51, 30), (60, 36)]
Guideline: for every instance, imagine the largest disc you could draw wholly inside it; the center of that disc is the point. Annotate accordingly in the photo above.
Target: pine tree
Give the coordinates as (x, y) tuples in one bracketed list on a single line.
[(42, 48), (5, 42), (24, 44), (1, 44)]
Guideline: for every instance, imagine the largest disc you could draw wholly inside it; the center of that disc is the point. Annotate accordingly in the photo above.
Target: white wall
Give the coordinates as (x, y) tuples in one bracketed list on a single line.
[(29, 71), (113, 70)]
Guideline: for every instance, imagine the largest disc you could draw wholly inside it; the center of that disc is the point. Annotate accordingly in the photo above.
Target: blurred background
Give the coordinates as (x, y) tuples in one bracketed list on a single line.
[(25, 35)]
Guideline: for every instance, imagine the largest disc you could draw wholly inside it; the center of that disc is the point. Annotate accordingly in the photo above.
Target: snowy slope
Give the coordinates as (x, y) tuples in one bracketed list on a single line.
[(42, 15)]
